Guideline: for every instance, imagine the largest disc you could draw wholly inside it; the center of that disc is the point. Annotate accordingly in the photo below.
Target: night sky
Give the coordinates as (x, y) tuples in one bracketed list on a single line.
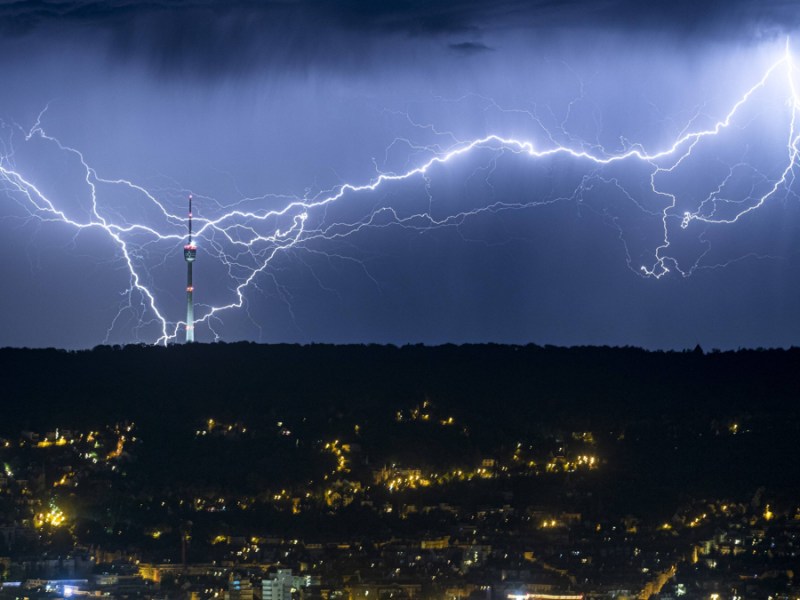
[(113, 112)]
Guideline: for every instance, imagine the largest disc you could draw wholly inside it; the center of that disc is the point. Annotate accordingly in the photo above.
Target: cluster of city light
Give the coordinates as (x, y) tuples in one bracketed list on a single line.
[(396, 478), (341, 493), (557, 464), (118, 449), (214, 427), (550, 524), (412, 481), (698, 520), (340, 452), (582, 461), (584, 436), (424, 413), (218, 504), (86, 446), (66, 479), (247, 241), (54, 517), (61, 441)]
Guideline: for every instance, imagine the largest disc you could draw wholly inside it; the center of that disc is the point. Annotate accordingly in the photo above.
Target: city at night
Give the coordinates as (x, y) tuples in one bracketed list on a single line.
[(469, 300)]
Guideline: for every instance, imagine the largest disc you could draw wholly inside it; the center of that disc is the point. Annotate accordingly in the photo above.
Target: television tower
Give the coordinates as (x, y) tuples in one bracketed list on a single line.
[(189, 254)]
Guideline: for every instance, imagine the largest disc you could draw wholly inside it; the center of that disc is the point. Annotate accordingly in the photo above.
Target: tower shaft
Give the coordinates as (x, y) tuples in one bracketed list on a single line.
[(189, 255), (189, 305)]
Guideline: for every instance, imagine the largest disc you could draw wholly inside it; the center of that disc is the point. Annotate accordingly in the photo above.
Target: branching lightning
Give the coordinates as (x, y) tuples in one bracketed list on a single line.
[(246, 241)]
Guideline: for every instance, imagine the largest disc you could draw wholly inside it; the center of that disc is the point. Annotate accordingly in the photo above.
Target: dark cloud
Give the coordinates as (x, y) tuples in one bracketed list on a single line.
[(470, 47), (314, 100), (209, 37), (416, 16)]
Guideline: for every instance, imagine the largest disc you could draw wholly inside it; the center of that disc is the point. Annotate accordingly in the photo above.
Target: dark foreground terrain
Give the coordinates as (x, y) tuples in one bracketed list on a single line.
[(580, 469)]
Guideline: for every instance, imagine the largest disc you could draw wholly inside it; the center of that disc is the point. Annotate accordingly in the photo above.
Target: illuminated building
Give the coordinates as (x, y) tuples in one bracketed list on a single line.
[(279, 586), (239, 588)]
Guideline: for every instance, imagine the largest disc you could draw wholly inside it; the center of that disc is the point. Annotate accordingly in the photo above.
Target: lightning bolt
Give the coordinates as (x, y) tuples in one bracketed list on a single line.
[(246, 241)]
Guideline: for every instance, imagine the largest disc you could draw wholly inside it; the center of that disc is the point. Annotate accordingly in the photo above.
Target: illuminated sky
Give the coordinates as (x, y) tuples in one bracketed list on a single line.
[(113, 112)]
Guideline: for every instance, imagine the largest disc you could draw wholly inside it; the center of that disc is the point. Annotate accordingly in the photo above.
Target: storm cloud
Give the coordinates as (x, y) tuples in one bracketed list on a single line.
[(255, 104), (210, 38)]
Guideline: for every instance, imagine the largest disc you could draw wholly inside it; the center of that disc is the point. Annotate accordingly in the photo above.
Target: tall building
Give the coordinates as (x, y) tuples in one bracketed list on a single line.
[(189, 254), (279, 586)]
